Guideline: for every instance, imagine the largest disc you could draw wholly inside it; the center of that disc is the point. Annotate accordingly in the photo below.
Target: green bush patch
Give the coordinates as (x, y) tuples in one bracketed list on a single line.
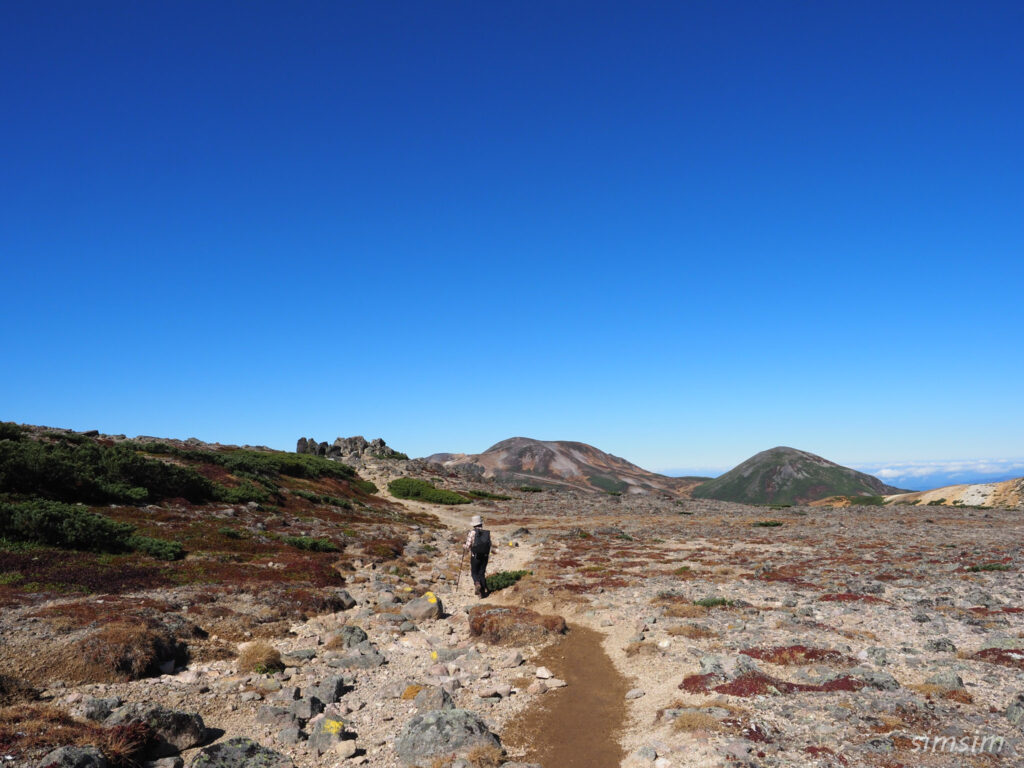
[(311, 544), (504, 579), (414, 488), (487, 495), (766, 523), (989, 567)]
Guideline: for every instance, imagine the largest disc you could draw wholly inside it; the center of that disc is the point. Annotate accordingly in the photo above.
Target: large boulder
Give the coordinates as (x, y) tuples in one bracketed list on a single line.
[(74, 757), (508, 625), (442, 734), (422, 608), (172, 731), (239, 752)]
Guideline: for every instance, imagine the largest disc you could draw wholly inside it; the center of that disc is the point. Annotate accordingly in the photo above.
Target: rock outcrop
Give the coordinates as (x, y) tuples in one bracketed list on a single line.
[(347, 448)]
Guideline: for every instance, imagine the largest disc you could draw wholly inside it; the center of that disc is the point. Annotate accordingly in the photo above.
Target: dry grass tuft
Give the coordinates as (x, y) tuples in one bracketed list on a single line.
[(38, 727), (14, 691), (686, 611), (692, 631), (507, 625), (697, 721), (641, 649), (259, 656), (121, 651), (487, 756), (939, 692)]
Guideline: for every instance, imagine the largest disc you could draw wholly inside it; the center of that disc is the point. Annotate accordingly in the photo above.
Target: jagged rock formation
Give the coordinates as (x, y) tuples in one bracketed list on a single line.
[(347, 448), (788, 476)]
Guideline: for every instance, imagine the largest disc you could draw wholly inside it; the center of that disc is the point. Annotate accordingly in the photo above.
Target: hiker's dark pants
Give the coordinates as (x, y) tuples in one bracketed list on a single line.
[(478, 567)]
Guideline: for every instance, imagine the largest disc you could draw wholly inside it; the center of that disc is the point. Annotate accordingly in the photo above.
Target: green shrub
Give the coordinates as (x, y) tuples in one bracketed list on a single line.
[(414, 488), (530, 488), (230, 533), (241, 494), (767, 523), (989, 567), (11, 431), (366, 486), (91, 472), (158, 548), (311, 544), (391, 454), (317, 498), (487, 495), (63, 525), (504, 579)]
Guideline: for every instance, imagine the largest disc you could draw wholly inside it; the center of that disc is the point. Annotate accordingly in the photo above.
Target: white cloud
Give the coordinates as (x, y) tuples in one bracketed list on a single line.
[(971, 467)]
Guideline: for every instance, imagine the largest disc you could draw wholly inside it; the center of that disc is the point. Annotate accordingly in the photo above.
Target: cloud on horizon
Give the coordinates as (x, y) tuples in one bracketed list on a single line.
[(935, 474)]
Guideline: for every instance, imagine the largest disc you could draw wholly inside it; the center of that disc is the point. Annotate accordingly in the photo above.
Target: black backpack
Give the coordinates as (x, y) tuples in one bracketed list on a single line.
[(481, 543)]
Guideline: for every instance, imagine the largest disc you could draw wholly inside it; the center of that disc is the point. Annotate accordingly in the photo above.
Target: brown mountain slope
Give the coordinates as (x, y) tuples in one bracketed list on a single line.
[(563, 464)]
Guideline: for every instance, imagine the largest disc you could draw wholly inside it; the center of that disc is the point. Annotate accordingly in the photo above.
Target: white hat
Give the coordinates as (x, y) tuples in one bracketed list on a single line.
[(477, 520)]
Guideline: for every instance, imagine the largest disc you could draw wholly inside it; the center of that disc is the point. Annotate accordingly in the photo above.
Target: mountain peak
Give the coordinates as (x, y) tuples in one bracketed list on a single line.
[(784, 475)]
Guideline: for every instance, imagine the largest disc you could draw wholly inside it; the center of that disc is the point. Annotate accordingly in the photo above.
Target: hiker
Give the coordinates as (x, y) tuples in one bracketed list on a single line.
[(478, 542)]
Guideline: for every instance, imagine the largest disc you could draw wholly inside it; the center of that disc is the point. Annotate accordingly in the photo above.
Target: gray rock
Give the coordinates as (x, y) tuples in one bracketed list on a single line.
[(358, 661), (166, 762), (332, 688), (172, 731), (74, 757), (239, 752), (347, 601), (290, 735), (875, 678), (422, 608), (348, 636), (940, 645), (92, 708), (711, 665), (442, 732), (307, 708), (1004, 643), (636, 693), (433, 697), (1015, 712), (947, 679), (327, 734), (647, 754)]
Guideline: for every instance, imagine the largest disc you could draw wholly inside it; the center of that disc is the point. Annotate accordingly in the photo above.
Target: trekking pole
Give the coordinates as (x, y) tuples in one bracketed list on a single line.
[(459, 577)]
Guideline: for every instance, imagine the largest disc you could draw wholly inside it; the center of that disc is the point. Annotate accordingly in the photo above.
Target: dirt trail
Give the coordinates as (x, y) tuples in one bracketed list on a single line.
[(577, 726)]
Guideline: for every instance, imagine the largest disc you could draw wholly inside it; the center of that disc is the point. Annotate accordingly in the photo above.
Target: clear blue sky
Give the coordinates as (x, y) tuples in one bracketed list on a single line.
[(683, 231)]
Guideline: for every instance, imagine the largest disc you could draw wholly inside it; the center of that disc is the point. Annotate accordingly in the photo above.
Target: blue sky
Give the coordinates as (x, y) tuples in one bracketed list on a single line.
[(682, 232)]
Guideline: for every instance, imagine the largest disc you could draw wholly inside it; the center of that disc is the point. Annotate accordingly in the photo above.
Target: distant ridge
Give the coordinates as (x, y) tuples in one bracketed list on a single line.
[(562, 464), (785, 475)]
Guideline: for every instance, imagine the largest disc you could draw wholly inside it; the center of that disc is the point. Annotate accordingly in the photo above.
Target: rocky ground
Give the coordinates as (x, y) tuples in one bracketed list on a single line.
[(731, 635)]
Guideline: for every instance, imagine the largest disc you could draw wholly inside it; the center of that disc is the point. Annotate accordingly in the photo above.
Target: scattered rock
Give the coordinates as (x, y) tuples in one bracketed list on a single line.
[(74, 757), (172, 731), (239, 752), (442, 733)]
